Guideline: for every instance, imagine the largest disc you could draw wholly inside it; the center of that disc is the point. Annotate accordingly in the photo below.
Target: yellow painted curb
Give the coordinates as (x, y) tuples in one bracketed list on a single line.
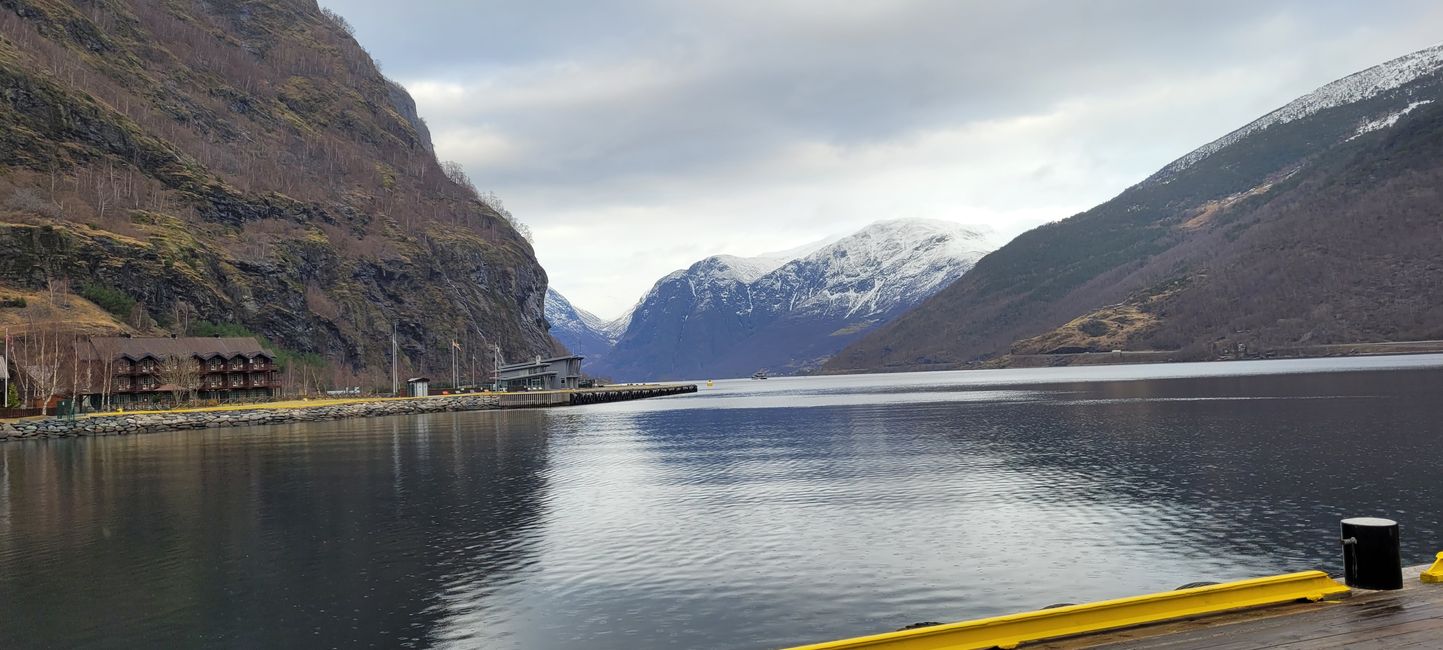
[(1434, 574), (1013, 629)]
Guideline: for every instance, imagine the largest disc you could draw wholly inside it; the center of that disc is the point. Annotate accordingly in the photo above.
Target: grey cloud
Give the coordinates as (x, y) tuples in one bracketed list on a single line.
[(746, 80), (567, 106)]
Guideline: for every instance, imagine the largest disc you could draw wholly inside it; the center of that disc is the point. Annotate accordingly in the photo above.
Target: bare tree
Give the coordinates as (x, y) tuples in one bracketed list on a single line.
[(182, 374), (457, 174), (59, 291), (181, 315), (139, 319), (39, 361), (41, 354), (338, 20), (107, 381), (490, 200), (76, 389)]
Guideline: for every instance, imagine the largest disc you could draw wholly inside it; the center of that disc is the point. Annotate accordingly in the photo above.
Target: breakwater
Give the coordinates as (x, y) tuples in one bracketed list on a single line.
[(125, 424), (129, 423)]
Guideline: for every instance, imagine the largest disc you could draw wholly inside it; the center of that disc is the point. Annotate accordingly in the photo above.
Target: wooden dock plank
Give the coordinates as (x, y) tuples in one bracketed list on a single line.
[(1408, 618)]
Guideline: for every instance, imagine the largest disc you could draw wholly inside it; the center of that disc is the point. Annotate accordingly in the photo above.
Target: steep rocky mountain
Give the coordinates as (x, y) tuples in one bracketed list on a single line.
[(241, 166), (579, 330), (687, 319), (1314, 224), (729, 316)]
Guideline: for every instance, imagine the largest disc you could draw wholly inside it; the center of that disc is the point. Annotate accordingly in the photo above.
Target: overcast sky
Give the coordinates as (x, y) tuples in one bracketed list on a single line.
[(638, 137)]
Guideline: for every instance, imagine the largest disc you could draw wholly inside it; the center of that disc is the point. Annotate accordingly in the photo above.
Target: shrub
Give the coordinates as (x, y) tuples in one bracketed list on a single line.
[(1094, 327), (110, 299), (207, 328)]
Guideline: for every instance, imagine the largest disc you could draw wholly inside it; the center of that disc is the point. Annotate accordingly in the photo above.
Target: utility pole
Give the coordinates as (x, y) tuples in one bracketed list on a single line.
[(496, 367), (395, 378), (455, 378)]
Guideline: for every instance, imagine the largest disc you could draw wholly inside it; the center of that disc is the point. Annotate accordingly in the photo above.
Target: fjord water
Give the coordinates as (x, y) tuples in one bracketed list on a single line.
[(753, 514)]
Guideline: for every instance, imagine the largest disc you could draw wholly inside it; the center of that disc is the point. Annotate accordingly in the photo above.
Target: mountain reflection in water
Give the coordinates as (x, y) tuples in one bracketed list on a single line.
[(753, 514)]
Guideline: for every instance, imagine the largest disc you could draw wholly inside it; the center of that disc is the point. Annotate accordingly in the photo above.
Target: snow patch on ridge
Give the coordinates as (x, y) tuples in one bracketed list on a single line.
[(803, 250), (1387, 120), (883, 267), (568, 318), (614, 328), (748, 269), (1352, 88)]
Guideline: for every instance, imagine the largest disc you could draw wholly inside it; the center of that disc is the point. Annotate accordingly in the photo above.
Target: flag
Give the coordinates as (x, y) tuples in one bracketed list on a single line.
[(454, 344)]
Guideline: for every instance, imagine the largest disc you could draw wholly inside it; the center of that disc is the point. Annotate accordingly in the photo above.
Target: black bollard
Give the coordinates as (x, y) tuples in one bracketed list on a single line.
[(1371, 557)]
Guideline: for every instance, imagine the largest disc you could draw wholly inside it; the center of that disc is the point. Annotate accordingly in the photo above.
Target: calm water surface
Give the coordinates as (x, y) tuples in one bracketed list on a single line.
[(753, 514)]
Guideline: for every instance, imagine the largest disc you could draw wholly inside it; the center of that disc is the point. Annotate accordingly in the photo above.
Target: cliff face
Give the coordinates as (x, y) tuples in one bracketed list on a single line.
[(244, 163)]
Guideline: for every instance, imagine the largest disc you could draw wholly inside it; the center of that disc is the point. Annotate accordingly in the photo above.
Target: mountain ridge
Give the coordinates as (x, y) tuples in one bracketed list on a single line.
[(723, 316), (1155, 247), (581, 331)]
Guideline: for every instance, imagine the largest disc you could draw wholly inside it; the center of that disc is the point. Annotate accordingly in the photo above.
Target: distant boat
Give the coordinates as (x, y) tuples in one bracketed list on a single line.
[(760, 374)]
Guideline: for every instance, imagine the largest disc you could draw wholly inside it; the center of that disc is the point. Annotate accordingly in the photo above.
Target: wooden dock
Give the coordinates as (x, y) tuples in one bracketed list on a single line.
[(1409, 618), (544, 398)]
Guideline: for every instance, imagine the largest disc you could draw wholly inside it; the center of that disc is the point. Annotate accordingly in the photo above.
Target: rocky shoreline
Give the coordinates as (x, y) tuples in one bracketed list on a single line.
[(125, 424)]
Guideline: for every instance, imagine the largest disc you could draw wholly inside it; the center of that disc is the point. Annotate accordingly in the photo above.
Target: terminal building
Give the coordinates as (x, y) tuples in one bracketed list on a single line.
[(556, 373)]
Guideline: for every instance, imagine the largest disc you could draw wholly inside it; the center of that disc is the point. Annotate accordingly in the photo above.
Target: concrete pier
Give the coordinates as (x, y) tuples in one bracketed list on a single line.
[(536, 399), (1300, 610), (1411, 617)]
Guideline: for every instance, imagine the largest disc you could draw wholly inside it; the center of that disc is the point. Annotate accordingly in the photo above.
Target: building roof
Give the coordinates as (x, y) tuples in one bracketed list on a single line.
[(160, 347), (529, 374), (538, 362), (417, 380)]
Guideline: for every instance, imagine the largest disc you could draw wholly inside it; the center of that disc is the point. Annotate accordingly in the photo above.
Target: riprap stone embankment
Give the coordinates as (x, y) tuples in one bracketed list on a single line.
[(124, 424)]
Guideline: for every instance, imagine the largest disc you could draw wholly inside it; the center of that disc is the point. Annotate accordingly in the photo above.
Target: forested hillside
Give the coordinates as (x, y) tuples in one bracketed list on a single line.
[(241, 165)]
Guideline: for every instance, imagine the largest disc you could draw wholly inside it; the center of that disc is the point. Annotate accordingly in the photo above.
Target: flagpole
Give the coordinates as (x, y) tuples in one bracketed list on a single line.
[(5, 394), (455, 379)]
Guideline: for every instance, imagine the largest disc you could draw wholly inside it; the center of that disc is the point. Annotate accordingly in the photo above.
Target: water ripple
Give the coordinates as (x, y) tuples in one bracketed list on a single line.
[(755, 515)]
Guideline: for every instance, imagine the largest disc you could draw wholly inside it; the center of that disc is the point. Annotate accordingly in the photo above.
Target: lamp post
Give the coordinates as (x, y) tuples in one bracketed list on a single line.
[(455, 377)]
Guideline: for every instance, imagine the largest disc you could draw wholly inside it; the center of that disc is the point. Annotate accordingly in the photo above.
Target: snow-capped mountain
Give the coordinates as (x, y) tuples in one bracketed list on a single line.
[(579, 330), (1313, 224), (1379, 81), (729, 316), (883, 267)]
